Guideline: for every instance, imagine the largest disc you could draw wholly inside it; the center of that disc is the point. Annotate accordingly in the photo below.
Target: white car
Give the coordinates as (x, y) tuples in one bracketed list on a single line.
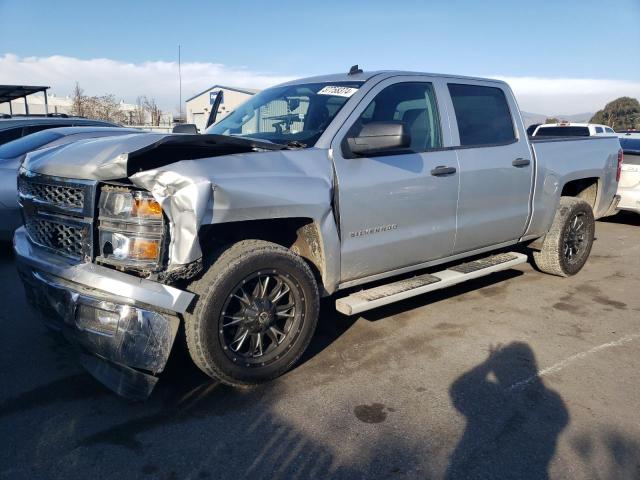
[(629, 185), (568, 129)]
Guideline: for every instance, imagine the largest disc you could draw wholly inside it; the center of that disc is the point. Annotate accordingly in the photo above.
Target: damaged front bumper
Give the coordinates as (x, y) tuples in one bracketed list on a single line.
[(124, 326)]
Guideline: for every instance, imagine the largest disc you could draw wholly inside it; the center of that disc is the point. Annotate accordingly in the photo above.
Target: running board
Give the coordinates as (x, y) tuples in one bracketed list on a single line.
[(394, 292)]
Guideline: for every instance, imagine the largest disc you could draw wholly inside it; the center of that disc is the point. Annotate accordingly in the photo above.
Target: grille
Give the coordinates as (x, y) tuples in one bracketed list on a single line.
[(62, 238), (60, 195), (58, 213)]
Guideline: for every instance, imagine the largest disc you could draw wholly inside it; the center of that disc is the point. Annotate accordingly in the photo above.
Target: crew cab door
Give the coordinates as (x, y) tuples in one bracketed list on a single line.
[(496, 165), (396, 208)]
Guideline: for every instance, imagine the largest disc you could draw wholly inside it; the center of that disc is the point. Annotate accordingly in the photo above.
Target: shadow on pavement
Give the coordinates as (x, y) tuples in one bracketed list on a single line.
[(624, 217), (512, 427)]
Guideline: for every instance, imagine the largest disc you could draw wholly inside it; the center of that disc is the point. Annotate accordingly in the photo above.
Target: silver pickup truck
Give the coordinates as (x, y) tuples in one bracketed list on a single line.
[(371, 187)]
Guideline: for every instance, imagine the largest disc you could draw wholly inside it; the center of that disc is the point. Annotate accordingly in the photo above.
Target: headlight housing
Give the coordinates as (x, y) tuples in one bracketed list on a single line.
[(131, 229)]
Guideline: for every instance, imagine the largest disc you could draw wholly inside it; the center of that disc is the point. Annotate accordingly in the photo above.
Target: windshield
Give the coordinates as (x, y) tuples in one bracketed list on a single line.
[(291, 113), (23, 145)]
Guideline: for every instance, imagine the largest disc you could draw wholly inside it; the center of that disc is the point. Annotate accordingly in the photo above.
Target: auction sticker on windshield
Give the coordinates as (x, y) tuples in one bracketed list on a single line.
[(337, 91)]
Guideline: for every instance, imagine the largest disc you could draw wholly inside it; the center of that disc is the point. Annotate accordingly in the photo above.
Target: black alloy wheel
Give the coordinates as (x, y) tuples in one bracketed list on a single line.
[(261, 318)]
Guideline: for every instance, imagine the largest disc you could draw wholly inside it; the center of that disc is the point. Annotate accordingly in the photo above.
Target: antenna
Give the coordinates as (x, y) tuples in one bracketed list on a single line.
[(354, 69), (180, 80)]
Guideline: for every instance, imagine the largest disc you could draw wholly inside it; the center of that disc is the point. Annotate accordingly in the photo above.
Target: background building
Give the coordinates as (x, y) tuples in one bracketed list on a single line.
[(131, 114), (36, 105), (199, 106)]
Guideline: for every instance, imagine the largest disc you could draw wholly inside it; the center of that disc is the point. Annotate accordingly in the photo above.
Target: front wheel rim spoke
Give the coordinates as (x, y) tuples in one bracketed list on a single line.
[(240, 340), (265, 286), (286, 311), (235, 320), (256, 345), (260, 289), (244, 298), (277, 335), (284, 289)]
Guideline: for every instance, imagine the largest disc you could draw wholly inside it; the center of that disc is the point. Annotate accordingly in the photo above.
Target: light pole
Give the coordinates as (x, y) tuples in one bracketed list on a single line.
[(180, 80)]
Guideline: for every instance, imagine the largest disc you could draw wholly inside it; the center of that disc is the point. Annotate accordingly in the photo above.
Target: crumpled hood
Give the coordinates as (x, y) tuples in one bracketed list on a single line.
[(90, 159), (120, 157)]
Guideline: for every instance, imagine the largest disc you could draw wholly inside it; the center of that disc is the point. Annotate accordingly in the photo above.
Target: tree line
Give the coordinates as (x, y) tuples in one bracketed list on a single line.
[(621, 114), (106, 107)]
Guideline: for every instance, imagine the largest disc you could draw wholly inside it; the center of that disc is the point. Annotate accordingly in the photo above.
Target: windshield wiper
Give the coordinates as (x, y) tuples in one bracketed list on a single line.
[(294, 144)]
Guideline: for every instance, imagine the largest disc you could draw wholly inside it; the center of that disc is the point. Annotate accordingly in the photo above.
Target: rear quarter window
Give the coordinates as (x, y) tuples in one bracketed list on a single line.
[(482, 114), (563, 132)]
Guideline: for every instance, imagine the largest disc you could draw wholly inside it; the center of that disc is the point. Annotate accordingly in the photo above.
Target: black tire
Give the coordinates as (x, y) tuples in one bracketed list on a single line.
[(566, 249), (212, 335)]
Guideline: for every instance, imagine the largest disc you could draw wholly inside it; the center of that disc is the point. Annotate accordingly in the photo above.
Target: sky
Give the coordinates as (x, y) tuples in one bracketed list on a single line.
[(560, 57)]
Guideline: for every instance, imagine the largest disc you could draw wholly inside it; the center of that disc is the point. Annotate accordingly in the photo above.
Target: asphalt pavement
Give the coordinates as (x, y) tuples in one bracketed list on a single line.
[(516, 375)]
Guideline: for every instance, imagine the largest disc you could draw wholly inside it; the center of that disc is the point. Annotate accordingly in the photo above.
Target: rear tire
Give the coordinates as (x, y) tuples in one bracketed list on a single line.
[(568, 243), (256, 312)]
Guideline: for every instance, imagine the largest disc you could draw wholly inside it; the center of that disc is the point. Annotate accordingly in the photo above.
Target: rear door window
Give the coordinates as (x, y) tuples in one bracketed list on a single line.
[(482, 114), (599, 130)]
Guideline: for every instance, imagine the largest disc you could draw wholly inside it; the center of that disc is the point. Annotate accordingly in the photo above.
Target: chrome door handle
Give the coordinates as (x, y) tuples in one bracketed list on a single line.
[(442, 170), (521, 162)]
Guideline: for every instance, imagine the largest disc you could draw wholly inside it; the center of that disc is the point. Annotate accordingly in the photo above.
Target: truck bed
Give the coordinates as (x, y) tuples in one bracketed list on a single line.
[(559, 161)]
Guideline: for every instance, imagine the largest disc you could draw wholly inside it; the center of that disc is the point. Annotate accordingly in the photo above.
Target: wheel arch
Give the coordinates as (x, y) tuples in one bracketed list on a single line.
[(587, 189), (304, 236)]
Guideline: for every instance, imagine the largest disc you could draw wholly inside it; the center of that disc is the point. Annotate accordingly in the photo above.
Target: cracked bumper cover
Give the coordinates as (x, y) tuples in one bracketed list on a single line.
[(123, 326)]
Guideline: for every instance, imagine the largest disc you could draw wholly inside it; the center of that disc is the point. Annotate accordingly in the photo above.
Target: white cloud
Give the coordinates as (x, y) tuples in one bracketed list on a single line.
[(568, 95), (126, 81), (160, 80)]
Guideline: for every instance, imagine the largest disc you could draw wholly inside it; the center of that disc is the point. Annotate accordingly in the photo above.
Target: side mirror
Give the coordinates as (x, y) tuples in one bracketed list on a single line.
[(185, 128), (377, 137)]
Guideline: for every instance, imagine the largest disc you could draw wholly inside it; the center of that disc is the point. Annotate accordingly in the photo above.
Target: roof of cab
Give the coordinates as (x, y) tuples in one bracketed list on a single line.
[(382, 74)]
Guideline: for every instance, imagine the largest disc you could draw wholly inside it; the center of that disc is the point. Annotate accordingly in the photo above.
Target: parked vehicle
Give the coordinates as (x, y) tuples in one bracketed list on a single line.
[(12, 154), (532, 128), (629, 187), (309, 189), (569, 129), (14, 127)]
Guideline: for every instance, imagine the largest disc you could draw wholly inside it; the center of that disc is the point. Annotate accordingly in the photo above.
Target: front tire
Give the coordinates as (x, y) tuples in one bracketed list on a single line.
[(256, 312), (568, 243)]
